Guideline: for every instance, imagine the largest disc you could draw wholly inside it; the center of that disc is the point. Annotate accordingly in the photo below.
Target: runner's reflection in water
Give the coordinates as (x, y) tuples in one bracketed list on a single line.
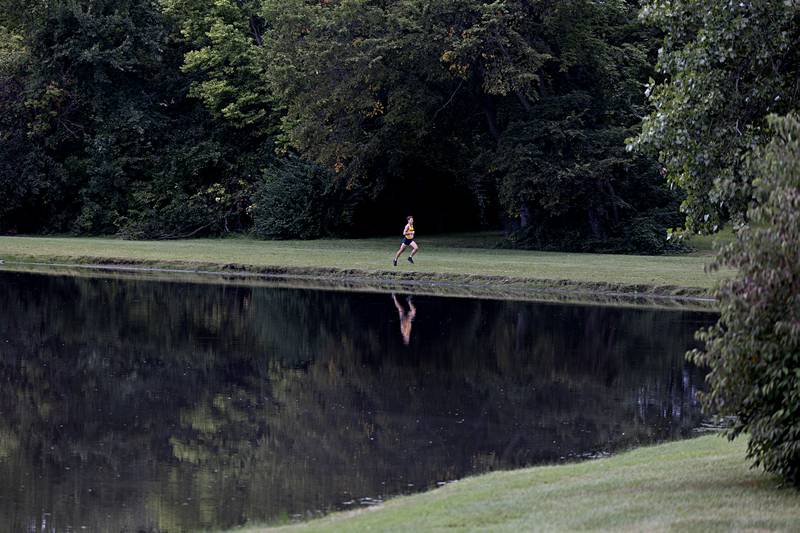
[(406, 318)]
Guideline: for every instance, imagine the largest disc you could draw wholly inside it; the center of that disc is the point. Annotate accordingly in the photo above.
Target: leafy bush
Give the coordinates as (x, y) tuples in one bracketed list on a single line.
[(754, 349), (643, 233), (301, 200), (160, 210), (180, 216), (647, 233)]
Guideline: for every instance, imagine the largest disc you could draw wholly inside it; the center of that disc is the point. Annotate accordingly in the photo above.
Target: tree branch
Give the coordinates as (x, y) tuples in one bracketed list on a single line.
[(448, 101)]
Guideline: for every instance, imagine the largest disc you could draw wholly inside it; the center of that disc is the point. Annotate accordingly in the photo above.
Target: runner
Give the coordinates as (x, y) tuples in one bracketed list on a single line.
[(408, 240)]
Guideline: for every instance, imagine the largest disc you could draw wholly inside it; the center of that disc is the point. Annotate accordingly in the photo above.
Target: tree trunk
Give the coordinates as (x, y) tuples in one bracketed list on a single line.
[(256, 32), (491, 116), (524, 216)]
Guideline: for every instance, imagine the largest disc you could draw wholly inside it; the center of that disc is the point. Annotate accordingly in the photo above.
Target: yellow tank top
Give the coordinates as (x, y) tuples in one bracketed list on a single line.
[(409, 232)]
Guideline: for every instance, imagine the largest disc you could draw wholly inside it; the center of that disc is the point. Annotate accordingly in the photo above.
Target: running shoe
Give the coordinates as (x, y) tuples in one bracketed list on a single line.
[(394, 262), (410, 260)]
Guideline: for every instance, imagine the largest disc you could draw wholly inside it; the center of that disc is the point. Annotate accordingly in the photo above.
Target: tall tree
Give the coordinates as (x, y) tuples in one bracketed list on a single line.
[(723, 67), (227, 68)]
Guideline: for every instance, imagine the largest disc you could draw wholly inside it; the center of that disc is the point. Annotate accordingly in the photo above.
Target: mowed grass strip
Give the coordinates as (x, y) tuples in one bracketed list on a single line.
[(466, 255), (701, 484)]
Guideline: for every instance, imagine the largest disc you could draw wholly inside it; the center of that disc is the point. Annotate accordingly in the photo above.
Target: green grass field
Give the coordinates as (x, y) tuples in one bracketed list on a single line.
[(465, 256), (701, 484)]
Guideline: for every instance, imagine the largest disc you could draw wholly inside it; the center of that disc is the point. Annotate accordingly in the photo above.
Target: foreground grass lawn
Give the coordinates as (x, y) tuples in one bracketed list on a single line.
[(464, 255), (700, 484)]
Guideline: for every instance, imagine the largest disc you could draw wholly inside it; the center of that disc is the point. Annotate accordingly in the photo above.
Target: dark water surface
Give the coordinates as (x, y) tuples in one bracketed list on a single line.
[(130, 405)]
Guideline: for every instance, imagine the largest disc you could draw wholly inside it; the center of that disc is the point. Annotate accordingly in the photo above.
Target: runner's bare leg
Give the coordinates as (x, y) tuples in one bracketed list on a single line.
[(400, 251)]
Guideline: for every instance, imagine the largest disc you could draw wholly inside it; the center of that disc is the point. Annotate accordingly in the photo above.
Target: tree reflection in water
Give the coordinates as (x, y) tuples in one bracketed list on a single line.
[(173, 406)]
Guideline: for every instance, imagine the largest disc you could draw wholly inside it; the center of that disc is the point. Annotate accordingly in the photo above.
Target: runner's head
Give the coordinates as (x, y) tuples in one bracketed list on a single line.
[(410, 219)]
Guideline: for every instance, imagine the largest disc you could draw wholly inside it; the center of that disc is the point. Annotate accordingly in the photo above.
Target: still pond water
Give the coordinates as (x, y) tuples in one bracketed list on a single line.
[(138, 405)]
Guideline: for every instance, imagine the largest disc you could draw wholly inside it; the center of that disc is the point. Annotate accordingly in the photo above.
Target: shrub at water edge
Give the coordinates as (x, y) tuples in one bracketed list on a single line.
[(754, 349)]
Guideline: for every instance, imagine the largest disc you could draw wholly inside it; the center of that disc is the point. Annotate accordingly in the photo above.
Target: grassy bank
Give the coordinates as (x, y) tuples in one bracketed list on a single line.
[(701, 484), (463, 259)]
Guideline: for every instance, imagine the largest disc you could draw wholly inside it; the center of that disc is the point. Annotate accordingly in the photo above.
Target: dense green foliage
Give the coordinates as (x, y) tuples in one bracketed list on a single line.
[(224, 40), (99, 135), (723, 66), (754, 350), (302, 200), (160, 119), (526, 104)]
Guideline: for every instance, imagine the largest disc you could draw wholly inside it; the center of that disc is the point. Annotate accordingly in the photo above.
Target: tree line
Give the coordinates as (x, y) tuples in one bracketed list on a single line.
[(304, 119)]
